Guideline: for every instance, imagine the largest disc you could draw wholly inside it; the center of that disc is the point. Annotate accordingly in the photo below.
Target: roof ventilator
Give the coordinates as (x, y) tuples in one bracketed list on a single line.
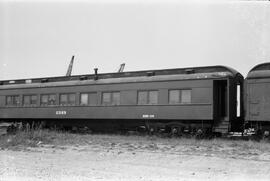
[(11, 82), (83, 77), (44, 80), (29, 81), (96, 74), (190, 71), (150, 74)]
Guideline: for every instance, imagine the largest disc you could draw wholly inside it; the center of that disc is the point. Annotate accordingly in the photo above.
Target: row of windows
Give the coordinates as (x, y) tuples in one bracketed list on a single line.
[(91, 99)]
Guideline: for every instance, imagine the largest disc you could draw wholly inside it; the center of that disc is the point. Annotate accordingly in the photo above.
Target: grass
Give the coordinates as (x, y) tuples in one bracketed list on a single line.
[(30, 138), (35, 137)]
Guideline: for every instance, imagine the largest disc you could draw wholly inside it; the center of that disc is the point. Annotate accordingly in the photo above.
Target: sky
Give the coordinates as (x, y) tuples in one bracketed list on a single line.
[(38, 38)]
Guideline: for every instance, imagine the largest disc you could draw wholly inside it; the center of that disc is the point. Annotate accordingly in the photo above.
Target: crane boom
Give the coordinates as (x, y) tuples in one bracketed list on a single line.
[(70, 67), (122, 66)]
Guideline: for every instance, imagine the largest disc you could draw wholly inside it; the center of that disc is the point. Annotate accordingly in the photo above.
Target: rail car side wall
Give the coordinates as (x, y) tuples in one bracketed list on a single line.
[(200, 108), (257, 99)]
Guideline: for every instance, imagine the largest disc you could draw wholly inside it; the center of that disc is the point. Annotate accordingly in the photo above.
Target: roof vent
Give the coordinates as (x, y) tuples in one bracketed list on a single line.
[(83, 77), (29, 81), (44, 80), (11, 82), (150, 74), (96, 74), (190, 71)]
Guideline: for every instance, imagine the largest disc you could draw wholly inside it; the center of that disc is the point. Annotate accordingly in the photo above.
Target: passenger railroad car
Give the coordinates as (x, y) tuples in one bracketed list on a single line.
[(177, 100)]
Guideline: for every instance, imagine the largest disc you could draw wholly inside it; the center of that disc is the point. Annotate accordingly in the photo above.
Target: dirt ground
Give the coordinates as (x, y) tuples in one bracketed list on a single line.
[(114, 157)]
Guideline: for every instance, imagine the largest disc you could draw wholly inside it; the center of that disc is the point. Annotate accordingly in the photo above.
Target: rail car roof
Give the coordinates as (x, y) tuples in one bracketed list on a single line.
[(260, 71), (212, 72)]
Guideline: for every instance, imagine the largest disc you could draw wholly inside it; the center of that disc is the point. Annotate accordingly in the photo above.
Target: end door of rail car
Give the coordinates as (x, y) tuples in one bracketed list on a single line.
[(220, 99), (227, 105), (220, 106)]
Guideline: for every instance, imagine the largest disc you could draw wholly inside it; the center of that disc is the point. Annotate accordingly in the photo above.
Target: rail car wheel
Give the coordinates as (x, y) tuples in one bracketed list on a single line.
[(259, 135), (176, 131), (11, 129), (199, 133), (266, 135), (152, 130)]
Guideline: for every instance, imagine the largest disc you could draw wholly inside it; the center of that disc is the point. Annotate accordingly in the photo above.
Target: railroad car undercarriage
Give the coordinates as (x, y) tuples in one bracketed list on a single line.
[(157, 127)]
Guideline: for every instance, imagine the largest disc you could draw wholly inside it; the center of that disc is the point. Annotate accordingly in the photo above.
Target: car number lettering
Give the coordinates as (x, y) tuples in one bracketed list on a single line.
[(60, 112), (148, 115)]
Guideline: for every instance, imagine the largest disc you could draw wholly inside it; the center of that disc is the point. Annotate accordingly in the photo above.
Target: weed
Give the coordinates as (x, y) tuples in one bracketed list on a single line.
[(30, 138), (36, 136)]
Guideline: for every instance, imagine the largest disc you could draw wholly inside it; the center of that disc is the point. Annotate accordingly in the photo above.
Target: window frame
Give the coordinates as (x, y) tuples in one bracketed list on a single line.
[(88, 99), (147, 97), (112, 102), (139, 98), (48, 100), (190, 100), (112, 98), (30, 100), (68, 99), (150, 99), (12, 100), (180, 96)]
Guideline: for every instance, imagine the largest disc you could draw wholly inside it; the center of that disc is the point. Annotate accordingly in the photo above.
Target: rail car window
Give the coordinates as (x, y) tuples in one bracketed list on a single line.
[(88, 99), (13, 100), (48, 99), (142, 97), (115, 98), (84, 99), (174, 96), (106, 98), (30, 100), (111, 98), (179, 96), (153, 97), (67, 99), (185, 96), (147, 97)]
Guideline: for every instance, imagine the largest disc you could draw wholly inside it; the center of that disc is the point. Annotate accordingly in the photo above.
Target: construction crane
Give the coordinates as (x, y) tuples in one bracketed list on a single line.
[(122, 66), (70, 67)]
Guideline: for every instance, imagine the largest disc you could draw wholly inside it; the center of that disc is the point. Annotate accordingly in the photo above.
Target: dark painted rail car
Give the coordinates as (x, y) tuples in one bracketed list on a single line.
[(189, 99), (257, 99)]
